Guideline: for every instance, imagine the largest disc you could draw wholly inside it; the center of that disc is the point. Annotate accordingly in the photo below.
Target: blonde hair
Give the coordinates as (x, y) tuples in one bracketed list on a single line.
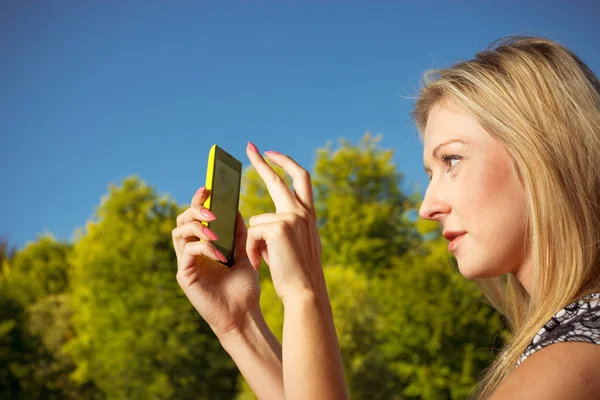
[(541, 102)]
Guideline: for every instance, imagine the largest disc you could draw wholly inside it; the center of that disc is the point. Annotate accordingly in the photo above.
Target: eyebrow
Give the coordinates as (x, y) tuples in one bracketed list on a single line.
[(439, 146)]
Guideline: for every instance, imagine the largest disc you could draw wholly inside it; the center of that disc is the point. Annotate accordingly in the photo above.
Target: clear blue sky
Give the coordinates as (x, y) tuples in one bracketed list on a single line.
[(94, 91)]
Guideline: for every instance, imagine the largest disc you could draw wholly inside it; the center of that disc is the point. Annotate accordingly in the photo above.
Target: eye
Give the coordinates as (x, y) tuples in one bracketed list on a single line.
[(448, 158)]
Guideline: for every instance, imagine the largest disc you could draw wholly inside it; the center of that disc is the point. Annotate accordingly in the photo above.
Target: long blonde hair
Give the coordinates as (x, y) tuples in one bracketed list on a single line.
[(540, 101)]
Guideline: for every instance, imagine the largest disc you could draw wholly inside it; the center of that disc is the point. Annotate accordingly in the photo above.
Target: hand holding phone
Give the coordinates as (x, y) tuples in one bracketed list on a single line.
[(224, 297)]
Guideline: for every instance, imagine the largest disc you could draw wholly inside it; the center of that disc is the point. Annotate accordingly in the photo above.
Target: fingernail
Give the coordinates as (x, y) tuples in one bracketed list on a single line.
[(272, 153), (252, 147), (208, 214), (210, 234), (200, 190), (220, 255)]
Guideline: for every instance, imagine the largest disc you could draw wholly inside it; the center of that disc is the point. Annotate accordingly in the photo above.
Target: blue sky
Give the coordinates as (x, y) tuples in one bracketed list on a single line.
[(94, 91)]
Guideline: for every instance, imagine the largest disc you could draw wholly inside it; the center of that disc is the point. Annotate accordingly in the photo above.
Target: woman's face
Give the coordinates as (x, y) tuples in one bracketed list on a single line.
[(473, 191)]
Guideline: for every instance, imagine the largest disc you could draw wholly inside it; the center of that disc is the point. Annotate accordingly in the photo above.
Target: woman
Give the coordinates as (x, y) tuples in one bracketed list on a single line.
[(512, 149)]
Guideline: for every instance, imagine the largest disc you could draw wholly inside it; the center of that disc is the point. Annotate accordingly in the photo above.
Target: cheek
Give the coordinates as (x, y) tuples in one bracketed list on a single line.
[(494, 213), (489, 190)]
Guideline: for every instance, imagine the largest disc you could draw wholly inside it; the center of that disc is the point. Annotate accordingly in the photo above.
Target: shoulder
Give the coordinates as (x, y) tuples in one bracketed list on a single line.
[(577, 322), (565, 370), (563, 359)]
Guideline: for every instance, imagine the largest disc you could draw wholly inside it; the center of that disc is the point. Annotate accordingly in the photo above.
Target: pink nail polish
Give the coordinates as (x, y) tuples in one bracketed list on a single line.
[(252, 147), (272, 153), (202, 189), (208, 214), (210, 234), (220, 255)]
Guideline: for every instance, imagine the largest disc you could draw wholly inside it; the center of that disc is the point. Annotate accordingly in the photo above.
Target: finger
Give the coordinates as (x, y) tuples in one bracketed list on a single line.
[(195, 213), (280, 193), (270, 217), (192, 231), (193, 250), (300, 177), (261, 234), (262, 219), (200, 196), (242, 238), (255, 245)]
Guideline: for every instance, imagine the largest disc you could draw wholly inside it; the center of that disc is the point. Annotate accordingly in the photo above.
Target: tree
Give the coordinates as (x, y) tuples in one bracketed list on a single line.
[(137, 335), (21, 354), (362, 210), (39, 269), (437, 332), (36, 293)]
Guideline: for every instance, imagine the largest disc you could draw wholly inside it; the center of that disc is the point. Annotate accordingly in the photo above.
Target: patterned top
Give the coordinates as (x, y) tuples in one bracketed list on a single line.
[(577, 322)]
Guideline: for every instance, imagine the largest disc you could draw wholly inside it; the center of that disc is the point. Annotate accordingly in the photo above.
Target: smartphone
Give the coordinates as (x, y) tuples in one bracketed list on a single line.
[(223, 180)]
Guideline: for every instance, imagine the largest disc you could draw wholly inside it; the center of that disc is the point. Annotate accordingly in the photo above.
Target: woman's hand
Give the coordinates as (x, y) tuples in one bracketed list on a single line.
[(224, 297), (287, 240)]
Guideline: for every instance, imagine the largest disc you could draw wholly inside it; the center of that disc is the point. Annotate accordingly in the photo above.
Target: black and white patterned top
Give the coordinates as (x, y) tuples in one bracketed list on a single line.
[(577, 322)]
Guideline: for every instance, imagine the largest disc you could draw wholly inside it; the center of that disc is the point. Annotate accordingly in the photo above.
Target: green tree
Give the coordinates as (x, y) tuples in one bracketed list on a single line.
[(362, 210), (36, 280), (22, 355), (137, 335), (436, 331), (50, 320), (39, 269)]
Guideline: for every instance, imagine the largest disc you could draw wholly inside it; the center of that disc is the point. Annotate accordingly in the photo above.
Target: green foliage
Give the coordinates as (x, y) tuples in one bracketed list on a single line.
[(50, 320), (355, 309), (39, 269), (22, 355), (36, 320), (363, 214), (437, 332), (137, 336)]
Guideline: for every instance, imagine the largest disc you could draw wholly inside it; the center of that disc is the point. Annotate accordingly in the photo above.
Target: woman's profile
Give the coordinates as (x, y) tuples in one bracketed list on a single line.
[(511, 145)]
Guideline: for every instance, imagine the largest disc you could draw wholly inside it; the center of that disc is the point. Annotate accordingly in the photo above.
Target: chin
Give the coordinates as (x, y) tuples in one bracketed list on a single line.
[(479, 271)]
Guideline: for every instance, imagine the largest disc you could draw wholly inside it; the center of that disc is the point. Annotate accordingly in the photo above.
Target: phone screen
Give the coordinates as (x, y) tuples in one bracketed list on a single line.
[(224, 204)]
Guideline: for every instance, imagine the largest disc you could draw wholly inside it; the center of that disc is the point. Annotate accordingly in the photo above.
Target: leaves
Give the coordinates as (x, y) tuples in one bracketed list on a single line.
[(363, 213)]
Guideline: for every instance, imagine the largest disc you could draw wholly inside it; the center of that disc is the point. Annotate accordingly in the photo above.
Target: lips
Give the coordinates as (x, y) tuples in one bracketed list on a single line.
[(454, 238), (451, 235)]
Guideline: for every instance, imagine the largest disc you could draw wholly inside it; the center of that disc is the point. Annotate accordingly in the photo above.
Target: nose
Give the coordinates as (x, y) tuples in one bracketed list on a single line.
[(435, 206)]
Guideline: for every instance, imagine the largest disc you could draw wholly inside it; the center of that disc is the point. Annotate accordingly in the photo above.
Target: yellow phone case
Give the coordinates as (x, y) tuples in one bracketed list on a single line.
[(209, 177)]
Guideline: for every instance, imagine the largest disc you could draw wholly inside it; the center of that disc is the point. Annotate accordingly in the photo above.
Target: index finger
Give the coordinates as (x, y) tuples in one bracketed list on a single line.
[(301, 180), (280, 193), (199, 197)]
